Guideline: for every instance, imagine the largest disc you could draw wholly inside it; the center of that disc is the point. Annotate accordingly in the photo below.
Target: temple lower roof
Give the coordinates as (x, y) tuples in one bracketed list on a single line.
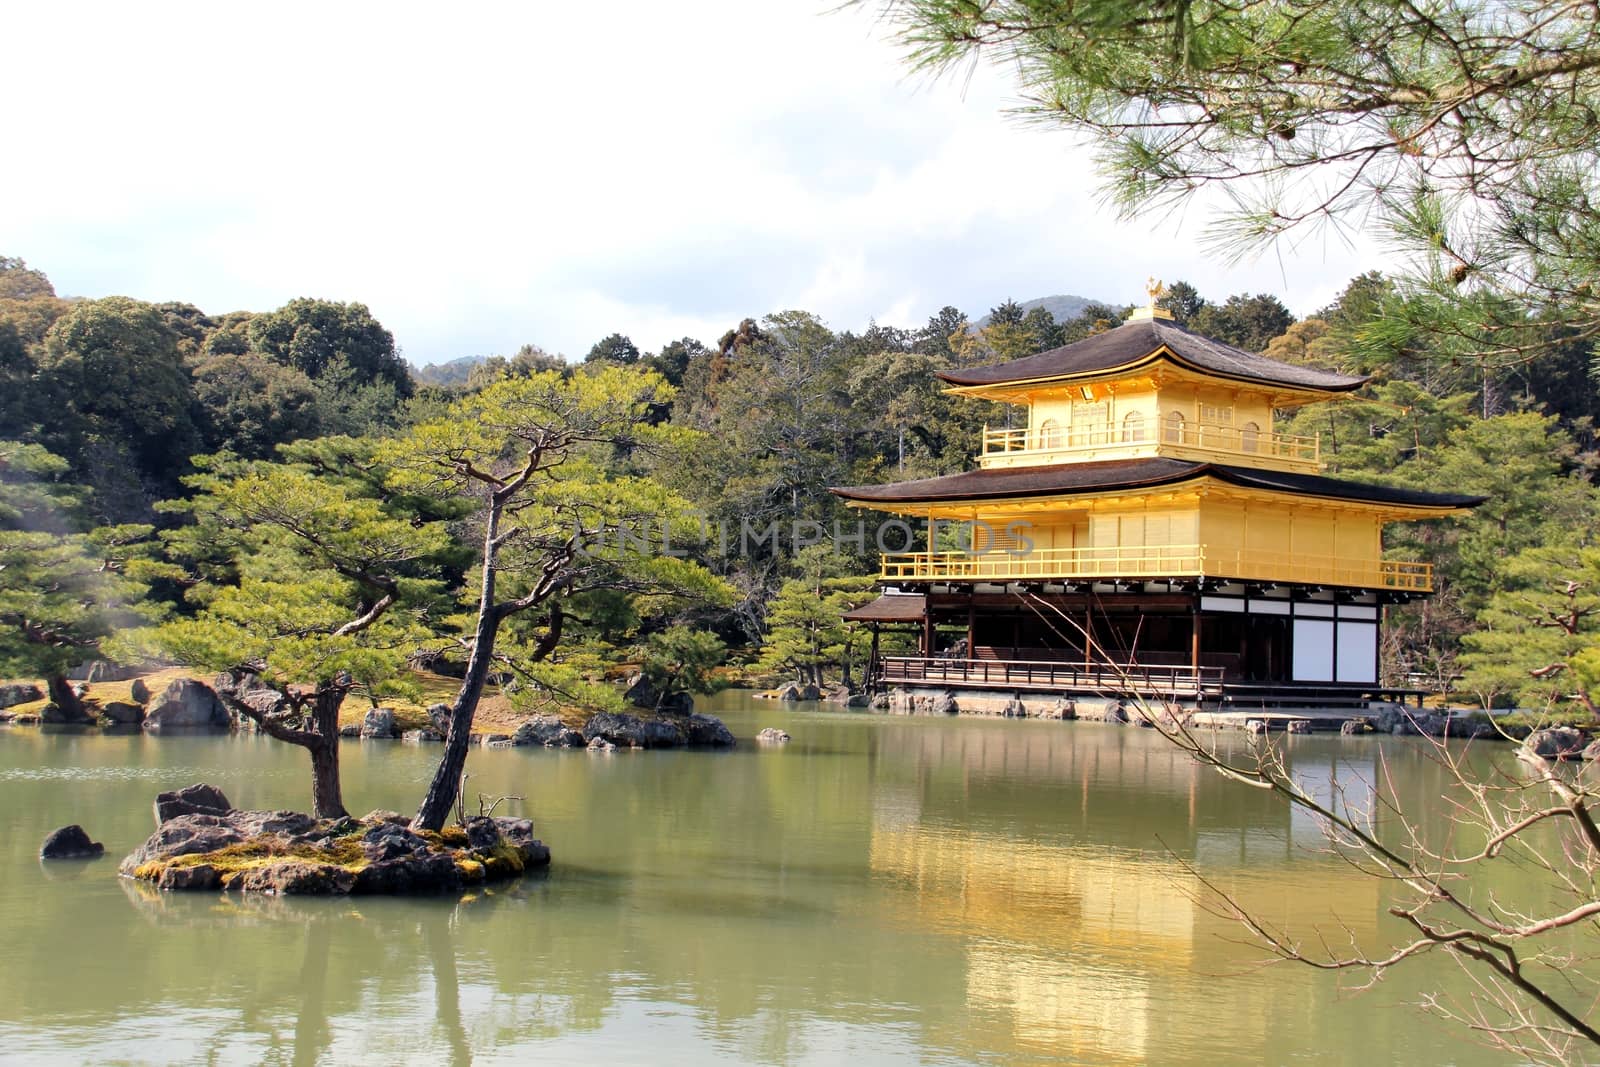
[(890, 607), (1066, 479), (1142, 340)]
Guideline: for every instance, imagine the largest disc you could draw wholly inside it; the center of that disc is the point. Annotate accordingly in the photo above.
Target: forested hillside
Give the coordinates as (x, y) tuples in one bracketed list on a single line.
[(108, 406)]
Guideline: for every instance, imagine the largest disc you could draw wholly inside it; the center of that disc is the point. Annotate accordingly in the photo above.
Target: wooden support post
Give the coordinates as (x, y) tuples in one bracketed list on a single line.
[(1194, 639), (1088, 630), (972, 625), (927, 630), (871, 680)]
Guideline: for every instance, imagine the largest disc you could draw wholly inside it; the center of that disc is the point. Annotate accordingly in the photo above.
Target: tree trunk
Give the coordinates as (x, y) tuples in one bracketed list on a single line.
[(62, 696), (446, 785), (327, 800)]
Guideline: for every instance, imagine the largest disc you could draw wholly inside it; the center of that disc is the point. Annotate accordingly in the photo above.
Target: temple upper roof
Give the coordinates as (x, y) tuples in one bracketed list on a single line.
[(1143, 341), (1067, 479)]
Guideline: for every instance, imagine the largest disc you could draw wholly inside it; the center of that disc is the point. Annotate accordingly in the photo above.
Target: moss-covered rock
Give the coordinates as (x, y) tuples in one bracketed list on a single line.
[(288, 852)]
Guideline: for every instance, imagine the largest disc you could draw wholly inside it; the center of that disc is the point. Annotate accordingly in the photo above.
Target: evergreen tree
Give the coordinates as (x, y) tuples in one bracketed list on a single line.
[(63, 593), (311, 583)]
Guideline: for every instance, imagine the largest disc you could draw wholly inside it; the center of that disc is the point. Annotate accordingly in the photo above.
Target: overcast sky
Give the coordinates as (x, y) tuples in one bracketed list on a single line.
[(483, 176)]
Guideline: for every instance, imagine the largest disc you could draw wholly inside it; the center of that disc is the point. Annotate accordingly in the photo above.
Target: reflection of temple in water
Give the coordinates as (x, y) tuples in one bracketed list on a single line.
[(1087, 944)]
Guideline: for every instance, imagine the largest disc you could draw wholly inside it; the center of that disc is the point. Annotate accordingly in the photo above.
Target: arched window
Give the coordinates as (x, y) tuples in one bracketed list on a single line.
[(1049, 434), (1249, 437), (1133, 426), (1172, 428)]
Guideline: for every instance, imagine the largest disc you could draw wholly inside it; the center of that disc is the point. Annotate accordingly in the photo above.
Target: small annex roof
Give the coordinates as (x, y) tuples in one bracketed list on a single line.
[(1068, 479), (1141, 341), (890, 607)]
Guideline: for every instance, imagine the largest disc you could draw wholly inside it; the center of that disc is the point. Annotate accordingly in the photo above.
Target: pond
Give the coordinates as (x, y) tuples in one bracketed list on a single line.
[(891, 890)]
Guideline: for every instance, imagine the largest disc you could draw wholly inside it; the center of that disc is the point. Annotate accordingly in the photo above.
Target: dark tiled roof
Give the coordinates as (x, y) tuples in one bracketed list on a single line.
[(1133, 342), (891, 607), (1066, 479)]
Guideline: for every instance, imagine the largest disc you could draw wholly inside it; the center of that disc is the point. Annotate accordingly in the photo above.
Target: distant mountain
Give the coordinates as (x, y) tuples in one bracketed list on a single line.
[(1062, 307), (454, 372)]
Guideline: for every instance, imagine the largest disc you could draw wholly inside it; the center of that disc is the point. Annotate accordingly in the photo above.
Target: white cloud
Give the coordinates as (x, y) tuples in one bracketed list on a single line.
[(493, 174)]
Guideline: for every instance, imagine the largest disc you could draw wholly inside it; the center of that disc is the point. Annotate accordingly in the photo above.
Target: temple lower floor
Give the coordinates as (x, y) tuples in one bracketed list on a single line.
[(1179, 634)]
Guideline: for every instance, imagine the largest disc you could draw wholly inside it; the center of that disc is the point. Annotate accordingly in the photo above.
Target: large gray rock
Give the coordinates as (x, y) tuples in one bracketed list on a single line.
[(187, 835), (641, 694), (707, 731), (1059, 709), (944, 704), (549, 731), (439, 718), (198, 876), (197, 799), (796, 691), (630, 732), (387, 841), (183, 836), (670, 732), (421, 737), (378, 723), (70, 843), (1556, 742), (122, 713), (19, 693), (56, 715), (186, 704), (139, 691)]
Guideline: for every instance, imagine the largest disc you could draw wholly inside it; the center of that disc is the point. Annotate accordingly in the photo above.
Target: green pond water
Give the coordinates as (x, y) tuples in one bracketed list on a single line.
[(879, 890)]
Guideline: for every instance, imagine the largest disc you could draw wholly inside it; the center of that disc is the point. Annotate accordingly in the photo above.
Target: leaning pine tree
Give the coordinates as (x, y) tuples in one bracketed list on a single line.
[(310, 587), (556, 470)]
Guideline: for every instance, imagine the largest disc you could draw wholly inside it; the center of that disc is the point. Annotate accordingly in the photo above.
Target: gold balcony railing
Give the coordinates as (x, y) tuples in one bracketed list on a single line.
[(1151, 437), (1159, 561)]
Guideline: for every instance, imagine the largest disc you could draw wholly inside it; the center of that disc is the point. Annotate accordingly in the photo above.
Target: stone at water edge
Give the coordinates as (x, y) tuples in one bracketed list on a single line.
[(1556, 742), (642, 694), (197, 799), (122, 713), (1299, 726), (600, 744), (772, 736), (707, 731), (186, 703), (1255, 726), (418, 737), (549, 731), (290, 852), (439, 718), (55, 715), (1354, 727), (70, 843), (12, 695), (378, 723)]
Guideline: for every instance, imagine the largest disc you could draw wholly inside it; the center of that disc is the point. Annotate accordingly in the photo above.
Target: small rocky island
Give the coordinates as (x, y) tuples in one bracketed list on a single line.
[(203, 842)]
